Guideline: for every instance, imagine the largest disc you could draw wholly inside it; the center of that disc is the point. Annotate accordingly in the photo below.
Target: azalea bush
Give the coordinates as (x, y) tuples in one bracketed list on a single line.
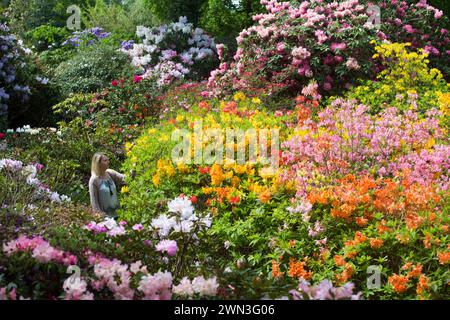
[(328, 43), (407, 82), (172, 52)]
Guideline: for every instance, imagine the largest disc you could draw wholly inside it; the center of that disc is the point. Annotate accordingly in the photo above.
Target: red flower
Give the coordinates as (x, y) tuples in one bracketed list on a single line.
[(2, 136), (235, 200), (203, 170), (194, 199), (137, 79), (114, 83)]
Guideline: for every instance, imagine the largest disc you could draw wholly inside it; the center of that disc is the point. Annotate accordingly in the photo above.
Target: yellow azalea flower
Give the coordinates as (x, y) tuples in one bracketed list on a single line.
[(156, 180), (430, 143), (235, 181), (216, 175), (239, 96), (170, 171), (182, 167), (125, 189), (179, 118), (207, 190), (256, 101), (160, 164), (240, 169)]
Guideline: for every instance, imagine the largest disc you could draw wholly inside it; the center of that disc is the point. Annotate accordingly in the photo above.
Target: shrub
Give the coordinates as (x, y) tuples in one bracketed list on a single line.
[(91, 69), (22, 86), (325, 42), (46, 37), (122, 19), (407, 82), (172, 52)]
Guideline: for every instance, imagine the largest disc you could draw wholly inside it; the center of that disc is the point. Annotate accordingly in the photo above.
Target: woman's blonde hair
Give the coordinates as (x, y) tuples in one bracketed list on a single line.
[(95, 167)]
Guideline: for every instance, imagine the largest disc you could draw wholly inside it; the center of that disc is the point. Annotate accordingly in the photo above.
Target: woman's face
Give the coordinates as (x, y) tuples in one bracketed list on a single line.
[(104, 163)]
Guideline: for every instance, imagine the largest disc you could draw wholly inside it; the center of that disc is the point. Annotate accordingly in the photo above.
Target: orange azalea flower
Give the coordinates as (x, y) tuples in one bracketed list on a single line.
[(445, 228), (235, 181), (204, 105), (444, 257), (376, 243), (361, 221), (422, 285), (413, 221), (339, 260), (217, 175), (427, 242), (351, 254), (265, 196), (346, 274), (229, 107), (297, 270), (276, 273), (407, 266), (415, 272), (399, 283)]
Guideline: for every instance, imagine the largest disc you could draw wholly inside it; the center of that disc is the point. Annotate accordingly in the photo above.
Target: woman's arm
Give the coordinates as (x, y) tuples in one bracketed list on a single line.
[(118, 178), (93, 193)]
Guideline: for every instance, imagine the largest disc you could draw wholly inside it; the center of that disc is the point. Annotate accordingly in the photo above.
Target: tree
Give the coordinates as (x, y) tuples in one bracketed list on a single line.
[(171, 10)]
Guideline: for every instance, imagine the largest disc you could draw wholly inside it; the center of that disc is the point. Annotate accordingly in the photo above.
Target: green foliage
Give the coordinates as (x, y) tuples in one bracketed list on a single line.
[(91, 69), (25, 15), (225, 20), (119, 18), (170, 10), (45, 37)]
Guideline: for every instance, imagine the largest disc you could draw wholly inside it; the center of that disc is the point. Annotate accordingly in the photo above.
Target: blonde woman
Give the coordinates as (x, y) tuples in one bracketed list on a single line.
[(103, 186)]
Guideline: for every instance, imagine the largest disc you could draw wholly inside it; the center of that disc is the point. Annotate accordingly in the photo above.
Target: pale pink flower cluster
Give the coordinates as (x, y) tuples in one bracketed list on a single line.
[(76, 289), (108, 226), (199, 285), (41, 250), (312, 90), (157, 286), (169, 246), (352, 64), (324, 291)]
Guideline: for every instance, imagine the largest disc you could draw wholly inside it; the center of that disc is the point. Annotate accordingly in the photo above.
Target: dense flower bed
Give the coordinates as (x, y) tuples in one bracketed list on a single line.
[(355, 188)]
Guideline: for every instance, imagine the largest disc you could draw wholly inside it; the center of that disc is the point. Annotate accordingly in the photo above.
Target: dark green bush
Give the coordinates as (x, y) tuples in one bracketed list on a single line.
[(91, 69)]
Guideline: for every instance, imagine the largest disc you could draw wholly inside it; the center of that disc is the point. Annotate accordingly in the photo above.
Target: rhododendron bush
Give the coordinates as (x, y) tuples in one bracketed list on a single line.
[(172, 52), (296, 42)]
